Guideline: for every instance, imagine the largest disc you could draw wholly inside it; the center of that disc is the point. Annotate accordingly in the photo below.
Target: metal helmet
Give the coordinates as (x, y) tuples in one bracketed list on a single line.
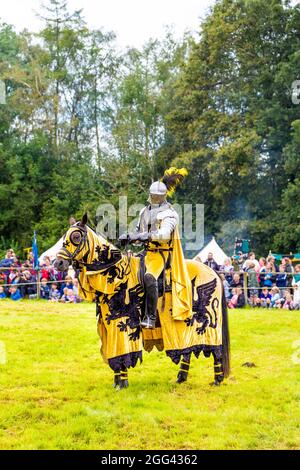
[(159, 188)]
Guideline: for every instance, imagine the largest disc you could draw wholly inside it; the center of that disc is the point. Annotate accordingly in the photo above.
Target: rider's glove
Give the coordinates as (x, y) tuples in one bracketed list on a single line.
[(124, 239)]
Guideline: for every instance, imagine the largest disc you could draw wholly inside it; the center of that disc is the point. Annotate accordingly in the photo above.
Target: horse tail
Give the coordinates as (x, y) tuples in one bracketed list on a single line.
[(225, 337)]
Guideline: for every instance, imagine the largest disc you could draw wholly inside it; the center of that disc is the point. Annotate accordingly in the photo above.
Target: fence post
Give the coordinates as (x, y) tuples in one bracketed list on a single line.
[(245, 285), (38, 285)]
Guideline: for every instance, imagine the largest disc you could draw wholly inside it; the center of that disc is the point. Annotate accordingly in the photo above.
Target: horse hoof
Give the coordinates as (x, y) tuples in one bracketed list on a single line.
[(216, 383), (123, 384), (181, 378)]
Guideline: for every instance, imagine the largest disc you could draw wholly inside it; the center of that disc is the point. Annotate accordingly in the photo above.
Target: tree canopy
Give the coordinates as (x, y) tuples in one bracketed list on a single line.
[(84, 123)]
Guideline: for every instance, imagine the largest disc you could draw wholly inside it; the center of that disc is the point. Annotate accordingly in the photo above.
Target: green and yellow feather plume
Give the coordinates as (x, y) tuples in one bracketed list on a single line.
[(173, 177)]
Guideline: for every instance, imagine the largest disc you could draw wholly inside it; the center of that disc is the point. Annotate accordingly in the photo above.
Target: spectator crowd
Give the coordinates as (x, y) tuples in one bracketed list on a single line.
[(268, 284), (20, 280)]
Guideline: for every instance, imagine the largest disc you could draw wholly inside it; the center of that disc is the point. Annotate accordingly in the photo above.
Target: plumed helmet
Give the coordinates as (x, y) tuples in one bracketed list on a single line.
[(159, 188)]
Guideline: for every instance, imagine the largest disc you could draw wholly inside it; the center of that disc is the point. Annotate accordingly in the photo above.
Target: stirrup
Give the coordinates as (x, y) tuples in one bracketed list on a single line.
[(148, 323)]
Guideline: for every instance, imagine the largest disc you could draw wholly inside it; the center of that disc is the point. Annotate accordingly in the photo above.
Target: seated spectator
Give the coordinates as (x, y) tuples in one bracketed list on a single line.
[(241, 298), (68, 296), (2, 278), (275, 297), (264, 298), (211, 262), (296, 287), (2, 293), (13, 276), (288, 301), (29, 284), (236, 282), (238, 299), (281, 279), (45, 289), (252, 283), (15, 293), (68, 283), (234, 298), (54, 295)]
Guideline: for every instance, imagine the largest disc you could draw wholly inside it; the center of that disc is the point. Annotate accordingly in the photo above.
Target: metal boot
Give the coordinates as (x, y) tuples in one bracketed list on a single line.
[(151, 290)]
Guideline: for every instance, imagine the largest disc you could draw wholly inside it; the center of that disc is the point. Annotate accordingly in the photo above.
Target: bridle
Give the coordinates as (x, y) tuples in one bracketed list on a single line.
[(80, 246)]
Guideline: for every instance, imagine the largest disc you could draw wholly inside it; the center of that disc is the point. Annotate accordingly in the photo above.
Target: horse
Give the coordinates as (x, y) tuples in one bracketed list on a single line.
[(112, 278)]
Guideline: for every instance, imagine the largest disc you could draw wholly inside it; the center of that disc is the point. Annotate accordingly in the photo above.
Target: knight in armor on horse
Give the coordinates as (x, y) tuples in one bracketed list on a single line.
[(157, 228)]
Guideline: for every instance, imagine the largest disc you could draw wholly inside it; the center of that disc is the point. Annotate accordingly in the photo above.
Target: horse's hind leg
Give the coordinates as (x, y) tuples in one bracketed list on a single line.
[(184, 369), (124, 378), (218, 371), (117, 379)]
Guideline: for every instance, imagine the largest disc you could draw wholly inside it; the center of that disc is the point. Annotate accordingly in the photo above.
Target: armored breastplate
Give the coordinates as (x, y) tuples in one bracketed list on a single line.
[(149, 221)]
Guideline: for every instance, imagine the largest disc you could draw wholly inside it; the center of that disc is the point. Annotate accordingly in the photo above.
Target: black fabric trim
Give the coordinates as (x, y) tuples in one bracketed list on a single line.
[(176, 354), (125, 361)]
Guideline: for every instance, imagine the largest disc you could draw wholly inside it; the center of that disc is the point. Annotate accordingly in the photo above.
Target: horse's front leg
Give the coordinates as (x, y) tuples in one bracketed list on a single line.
[(184, 369)]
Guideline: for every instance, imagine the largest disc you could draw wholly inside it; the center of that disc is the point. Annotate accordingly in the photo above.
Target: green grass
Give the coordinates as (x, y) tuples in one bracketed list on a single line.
[(56, 393)]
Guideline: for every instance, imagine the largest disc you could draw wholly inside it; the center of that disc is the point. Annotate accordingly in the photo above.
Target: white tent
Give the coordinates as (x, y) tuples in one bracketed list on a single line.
[(215, 249), (51, 252)]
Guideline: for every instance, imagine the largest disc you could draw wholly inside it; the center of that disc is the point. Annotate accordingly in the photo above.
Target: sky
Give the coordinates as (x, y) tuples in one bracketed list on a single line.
[(134, 21)]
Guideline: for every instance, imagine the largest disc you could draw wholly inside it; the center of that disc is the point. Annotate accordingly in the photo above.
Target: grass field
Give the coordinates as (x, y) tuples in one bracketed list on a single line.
[(56, 393)]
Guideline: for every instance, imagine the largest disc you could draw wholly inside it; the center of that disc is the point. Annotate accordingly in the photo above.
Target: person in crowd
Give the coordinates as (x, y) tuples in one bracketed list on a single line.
[(226, 286), (241, 302), (227, 269), (3, 279), (54, 295), (296, 287), (264, 298), (2, 293), (15, 293), (262, 270), (274, 267), (236, 282), (268, 276), (238, 299), (13, 276), (251, 257), (68, 296), (211, 262), (68, 284), (281, 279), (238, 261), (288, 268), (234, 298), (45, 289), (275, 297), (47, 270), (28, 282), (288, 301), (253, 284)]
